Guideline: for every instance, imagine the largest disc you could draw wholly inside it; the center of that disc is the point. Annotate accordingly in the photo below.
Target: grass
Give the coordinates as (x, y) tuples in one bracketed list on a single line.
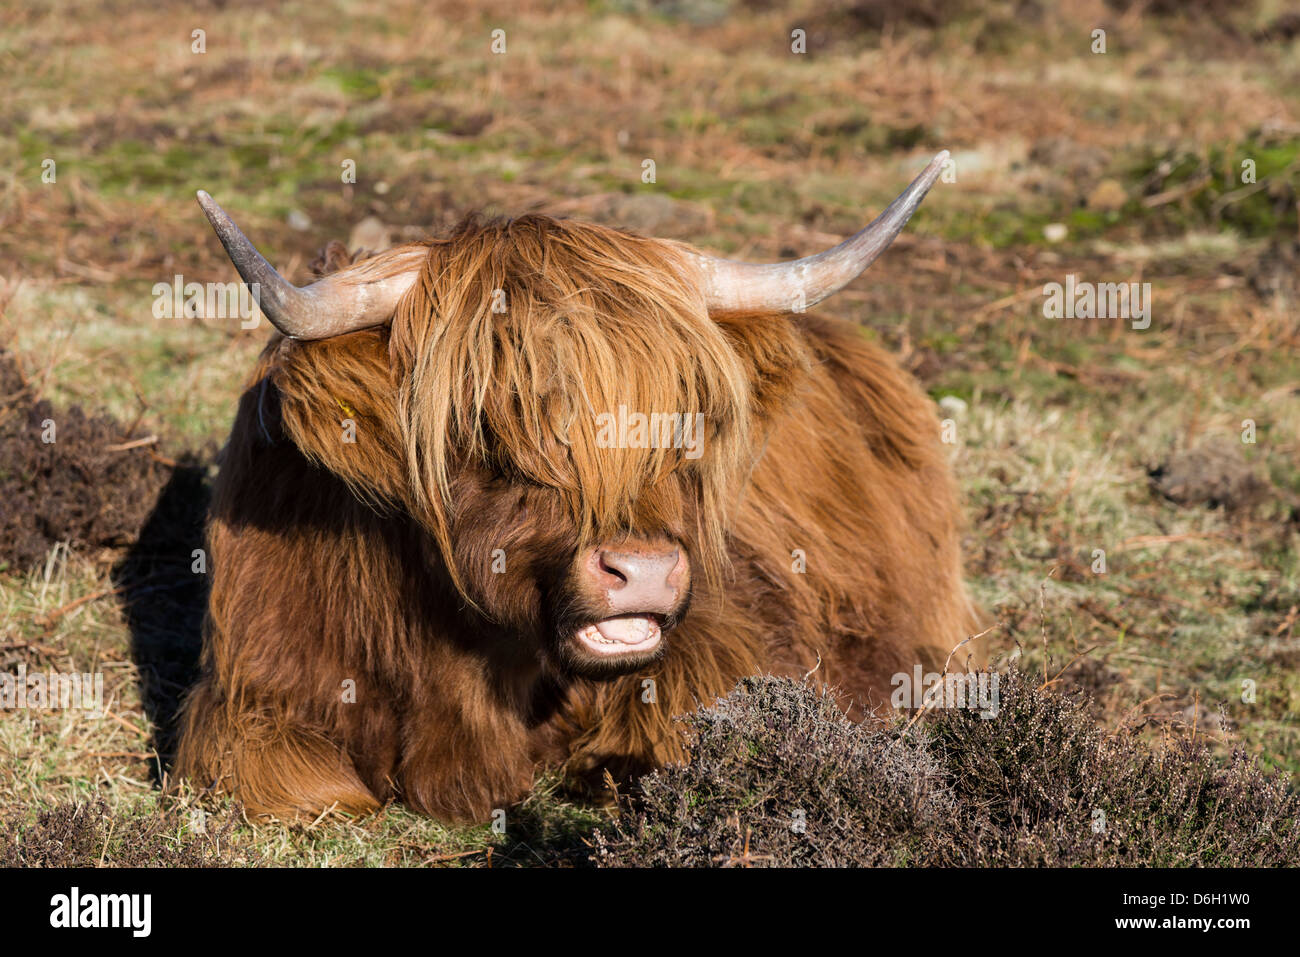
[(762, 154)]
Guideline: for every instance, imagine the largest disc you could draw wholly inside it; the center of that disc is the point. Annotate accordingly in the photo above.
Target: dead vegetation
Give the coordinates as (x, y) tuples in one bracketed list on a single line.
[(88, 834)]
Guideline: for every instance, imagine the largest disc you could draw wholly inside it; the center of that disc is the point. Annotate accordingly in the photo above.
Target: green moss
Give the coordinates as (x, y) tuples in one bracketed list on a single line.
[(358, 83)]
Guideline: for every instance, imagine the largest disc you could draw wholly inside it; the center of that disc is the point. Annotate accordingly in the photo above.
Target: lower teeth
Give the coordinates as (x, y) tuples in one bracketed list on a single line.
[(594, 635)]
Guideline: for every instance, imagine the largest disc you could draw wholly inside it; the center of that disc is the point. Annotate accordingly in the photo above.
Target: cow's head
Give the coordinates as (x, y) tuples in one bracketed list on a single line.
[(572, 412)]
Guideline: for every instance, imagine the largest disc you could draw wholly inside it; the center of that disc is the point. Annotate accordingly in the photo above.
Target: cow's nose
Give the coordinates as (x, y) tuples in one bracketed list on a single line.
[(639, 581)]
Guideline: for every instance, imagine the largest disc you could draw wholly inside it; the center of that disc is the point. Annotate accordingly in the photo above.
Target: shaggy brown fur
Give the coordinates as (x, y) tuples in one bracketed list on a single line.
[(370, 565)]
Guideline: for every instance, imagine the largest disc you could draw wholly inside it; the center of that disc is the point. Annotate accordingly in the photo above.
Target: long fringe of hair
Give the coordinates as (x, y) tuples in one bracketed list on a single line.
[(519, 333)]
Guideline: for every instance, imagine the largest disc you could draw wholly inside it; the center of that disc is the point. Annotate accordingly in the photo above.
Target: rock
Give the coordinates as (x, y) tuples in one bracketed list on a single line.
[(952, 406), (1068, 157), (645, 211), (1211, 475), (370, 234), (1107, 196)]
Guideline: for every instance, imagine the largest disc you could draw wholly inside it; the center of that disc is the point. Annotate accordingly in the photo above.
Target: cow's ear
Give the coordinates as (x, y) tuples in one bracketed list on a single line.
[(334, 257), (774, 353), (338, 404), (331, 258)]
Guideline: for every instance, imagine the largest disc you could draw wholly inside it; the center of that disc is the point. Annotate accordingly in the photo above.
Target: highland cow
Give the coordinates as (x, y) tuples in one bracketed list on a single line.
[(433, 571)]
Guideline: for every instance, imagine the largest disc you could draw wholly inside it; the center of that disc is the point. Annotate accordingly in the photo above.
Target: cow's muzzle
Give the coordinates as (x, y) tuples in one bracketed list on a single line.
[(640, 588)]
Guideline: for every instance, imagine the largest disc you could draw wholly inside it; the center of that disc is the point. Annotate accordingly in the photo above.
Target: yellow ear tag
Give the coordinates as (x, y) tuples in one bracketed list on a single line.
[(347, 409)]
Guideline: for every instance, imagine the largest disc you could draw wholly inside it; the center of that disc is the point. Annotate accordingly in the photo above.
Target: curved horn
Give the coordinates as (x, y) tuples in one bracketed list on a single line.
[(792, 286), (354, 298)]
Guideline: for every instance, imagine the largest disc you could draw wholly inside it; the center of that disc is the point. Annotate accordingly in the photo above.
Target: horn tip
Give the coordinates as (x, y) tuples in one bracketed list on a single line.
[(210, 207), (216, 215), (208, 204)]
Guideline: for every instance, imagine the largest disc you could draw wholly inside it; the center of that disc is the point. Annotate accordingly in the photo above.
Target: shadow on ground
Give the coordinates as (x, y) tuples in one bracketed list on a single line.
[(163, 599)]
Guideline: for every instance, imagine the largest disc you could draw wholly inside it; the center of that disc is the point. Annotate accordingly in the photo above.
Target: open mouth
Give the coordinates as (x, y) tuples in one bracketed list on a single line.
[(621, 635)]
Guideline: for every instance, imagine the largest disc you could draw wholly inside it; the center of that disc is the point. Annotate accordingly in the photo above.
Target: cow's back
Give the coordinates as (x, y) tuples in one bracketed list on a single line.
[(852, 520)]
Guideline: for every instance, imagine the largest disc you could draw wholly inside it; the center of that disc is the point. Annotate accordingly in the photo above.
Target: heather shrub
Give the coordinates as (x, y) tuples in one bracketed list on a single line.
[(779, 766), (778, 777), (1042, 784)]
